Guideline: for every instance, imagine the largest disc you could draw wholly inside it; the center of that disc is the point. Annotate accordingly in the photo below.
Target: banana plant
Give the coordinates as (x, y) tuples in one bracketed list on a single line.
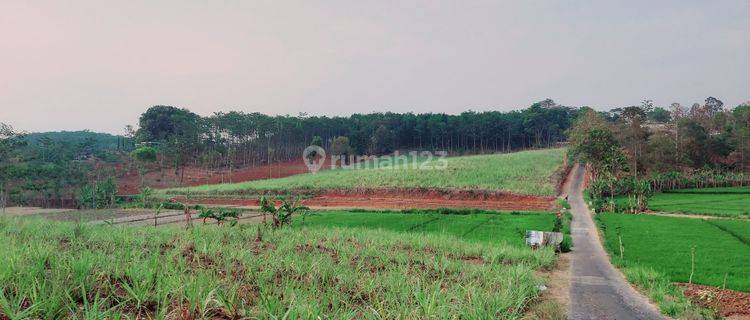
[(284, 214), (157, 212)]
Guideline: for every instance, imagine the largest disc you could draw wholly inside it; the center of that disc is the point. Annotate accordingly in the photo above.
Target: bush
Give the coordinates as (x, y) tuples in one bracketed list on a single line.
[(144, 154), (100, 194)]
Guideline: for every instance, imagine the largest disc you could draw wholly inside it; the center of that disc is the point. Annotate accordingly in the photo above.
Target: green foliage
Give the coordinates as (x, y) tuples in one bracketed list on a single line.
[(669, 298), (659, 114), (146, 195), (219, 215), (98, 194), (89, 143), (527, 172), (144, 154), (283, 215), (157, 212), (317, 141), (725, 202), (383, 140), (593, 142), (340, 147), (49, 169), (166, 123), (128, 272), (562, 224)]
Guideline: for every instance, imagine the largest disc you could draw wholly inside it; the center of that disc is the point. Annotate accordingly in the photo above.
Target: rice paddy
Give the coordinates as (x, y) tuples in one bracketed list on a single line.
[(724, 202), (719, 247), (485, 227)]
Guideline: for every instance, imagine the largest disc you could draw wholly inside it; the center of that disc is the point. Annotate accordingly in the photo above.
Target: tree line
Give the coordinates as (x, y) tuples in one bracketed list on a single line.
[(237, 139), (669, 145), (58, 169), (643, 149)]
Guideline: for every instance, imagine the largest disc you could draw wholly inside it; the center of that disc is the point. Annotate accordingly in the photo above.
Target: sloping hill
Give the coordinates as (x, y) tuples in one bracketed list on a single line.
[(529, 173)]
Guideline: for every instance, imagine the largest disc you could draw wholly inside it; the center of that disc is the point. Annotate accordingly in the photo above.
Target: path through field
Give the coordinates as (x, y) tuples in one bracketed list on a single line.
[(598, 290)]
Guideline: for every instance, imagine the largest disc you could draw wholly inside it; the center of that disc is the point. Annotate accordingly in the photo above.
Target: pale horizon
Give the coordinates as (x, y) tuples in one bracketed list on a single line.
[(88, 65)]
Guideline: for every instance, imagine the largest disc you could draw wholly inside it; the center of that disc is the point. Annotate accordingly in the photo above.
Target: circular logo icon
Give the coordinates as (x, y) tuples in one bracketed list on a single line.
[(314, 157)]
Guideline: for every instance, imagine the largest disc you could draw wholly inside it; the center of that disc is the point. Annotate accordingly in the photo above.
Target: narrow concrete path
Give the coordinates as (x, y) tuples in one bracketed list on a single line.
[(597, 289)]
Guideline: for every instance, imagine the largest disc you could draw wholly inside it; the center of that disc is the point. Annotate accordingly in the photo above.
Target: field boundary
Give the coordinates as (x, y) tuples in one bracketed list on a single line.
[(477, 226), (740, 238), (693, 216), (423, 223)]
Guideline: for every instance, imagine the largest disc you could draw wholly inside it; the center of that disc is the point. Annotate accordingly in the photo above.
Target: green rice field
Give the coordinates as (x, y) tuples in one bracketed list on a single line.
[(725, 202), (509, 228), (665, 244), (527, 172)]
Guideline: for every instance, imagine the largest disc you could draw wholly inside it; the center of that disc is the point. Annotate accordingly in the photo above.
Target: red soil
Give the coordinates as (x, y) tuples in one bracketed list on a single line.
[(727, 303), (408, 199), (129, 182)]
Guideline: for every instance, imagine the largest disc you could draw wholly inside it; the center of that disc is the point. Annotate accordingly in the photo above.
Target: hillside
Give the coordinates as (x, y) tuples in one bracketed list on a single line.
[(97, 140), (526, 172)]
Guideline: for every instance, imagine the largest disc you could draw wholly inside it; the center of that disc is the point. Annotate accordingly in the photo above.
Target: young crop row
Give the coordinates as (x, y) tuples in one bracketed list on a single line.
[(487, 227), (671, 244), (655, 251), (62, 270)]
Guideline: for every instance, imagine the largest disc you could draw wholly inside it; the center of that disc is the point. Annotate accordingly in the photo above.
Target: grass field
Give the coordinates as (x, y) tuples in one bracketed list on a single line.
[(725, 202), (527, 172), (665, 244), (733, 190), (482, 227), (64, 270)]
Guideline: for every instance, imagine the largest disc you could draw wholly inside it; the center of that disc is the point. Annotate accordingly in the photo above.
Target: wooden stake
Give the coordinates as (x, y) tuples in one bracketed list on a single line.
[(692, 264)]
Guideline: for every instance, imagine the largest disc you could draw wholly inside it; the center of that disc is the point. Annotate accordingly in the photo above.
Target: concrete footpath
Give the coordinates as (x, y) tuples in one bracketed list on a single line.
[(597, 289)]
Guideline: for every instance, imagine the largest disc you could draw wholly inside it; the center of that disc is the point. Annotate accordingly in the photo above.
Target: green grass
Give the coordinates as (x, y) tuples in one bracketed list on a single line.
[(665, 244), (63, 270), (738, 228), (745, 190), (724, 202), (487, 227), (527, 172)]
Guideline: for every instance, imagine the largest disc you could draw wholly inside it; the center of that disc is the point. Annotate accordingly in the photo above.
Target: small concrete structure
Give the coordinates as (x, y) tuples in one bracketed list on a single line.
[(536, 239)]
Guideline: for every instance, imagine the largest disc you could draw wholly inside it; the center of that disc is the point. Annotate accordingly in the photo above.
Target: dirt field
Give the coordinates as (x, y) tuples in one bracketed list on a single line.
[(129, 182), (728, 303), (405, 199), (24, 211)]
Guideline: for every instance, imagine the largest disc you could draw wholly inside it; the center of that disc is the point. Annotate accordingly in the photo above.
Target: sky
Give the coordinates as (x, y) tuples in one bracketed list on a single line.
[(97, 65)]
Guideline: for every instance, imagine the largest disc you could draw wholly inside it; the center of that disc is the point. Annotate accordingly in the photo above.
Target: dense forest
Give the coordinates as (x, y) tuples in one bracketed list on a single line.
[(56, 168)]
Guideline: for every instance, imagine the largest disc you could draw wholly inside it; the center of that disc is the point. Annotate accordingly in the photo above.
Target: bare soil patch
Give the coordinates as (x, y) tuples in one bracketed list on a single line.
[(95, 215), (406, 199), (554, 302), (25, 211), (129, 181), (727, 303)]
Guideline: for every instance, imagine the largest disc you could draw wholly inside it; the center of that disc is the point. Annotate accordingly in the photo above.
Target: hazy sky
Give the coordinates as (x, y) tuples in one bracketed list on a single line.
[(67, 65)]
